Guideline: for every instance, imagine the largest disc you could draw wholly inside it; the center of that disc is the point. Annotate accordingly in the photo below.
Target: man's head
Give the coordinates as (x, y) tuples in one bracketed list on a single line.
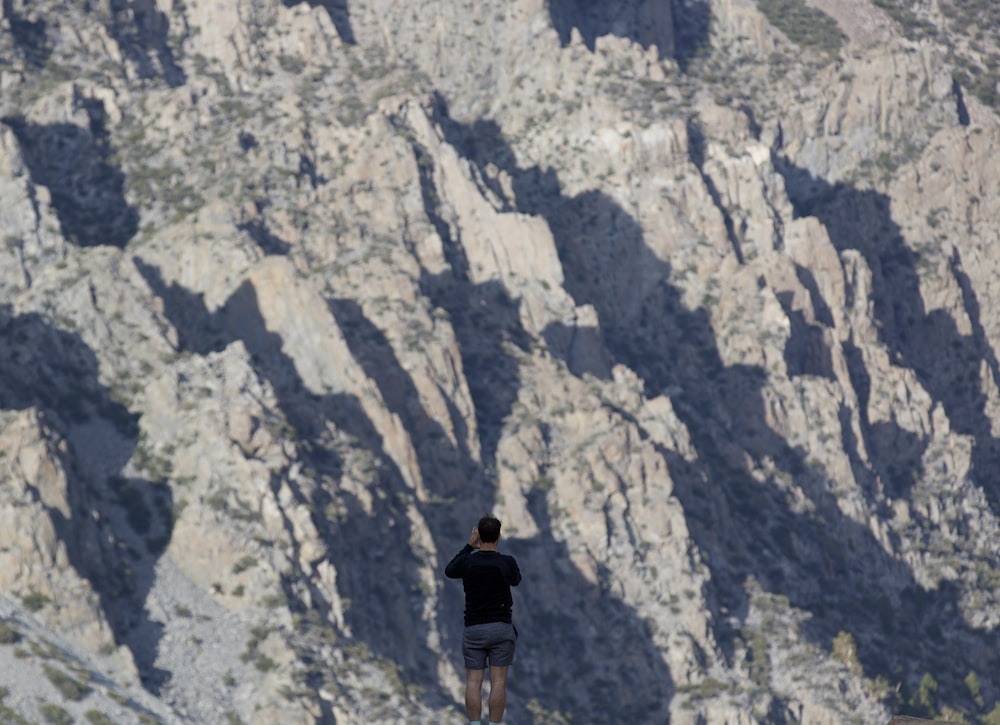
[(489, 529)]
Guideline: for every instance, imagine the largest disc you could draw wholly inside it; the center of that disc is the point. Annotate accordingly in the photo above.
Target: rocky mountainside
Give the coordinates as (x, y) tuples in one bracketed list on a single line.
[(698, 296)]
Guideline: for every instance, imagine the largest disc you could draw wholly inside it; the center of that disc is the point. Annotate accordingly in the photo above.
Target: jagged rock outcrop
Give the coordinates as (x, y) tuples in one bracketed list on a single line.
[(293, 291)]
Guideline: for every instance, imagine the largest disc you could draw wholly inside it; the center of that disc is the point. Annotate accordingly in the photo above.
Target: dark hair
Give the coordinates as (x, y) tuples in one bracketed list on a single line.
[(489, 529)]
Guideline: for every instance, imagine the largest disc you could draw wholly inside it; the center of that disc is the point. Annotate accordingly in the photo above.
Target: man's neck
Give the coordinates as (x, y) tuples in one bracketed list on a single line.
[(483, 546)]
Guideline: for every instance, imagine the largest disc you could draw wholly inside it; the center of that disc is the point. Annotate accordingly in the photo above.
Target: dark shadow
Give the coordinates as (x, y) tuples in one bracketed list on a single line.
[(484, 317), (558, 668), (962, 109), (370, 348), (339, 14), (806, 351), (692, 25), (30, 36), (359, 535), (459, 483), (269, 243), (569, 640), (87, 192), (894, 453), (696, 153), (450, 473), (142, 33), (646, 22), (825, 563), (947, 363), (54, 371), (581, 346), (247, 141), (678, 28)]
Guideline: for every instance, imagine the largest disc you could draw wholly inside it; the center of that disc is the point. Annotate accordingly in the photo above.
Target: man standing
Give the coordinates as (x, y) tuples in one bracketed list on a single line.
[(490, 636)]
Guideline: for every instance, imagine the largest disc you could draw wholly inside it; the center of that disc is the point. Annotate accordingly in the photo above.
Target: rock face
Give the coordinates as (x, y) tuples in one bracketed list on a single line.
[(292, 292)]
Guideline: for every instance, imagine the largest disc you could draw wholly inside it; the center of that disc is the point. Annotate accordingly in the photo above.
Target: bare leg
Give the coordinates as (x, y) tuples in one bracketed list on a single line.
[(474, 694), (498, 693)]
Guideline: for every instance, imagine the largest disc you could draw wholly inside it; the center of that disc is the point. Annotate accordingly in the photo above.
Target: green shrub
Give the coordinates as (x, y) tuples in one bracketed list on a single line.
[(845, 651), (67, 686), (34, 601), (265, 663), (55, 714), (925, 698), (9, 717), (993, 717), (972, 682), (8, 635), (806, 26), (243, 564)]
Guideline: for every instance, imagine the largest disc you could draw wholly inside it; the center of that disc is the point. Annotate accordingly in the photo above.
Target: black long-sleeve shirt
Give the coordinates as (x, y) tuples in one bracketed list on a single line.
[(487, 577)]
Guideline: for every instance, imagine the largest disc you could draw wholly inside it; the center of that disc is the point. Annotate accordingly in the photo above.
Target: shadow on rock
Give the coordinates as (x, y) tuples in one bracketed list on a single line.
[(368, 537), (74, 164), (143, 35), (948, 363), (56, 373), (822, 561), (339, 13), (677, 29), (30, 36), (567, 643)]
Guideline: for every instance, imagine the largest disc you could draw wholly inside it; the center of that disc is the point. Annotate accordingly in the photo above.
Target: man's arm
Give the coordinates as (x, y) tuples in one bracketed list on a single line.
[(456, 567), (514, 573)]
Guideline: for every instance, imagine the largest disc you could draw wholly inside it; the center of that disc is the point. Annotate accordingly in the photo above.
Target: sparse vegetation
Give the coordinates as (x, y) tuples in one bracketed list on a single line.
[(8, 634), (804, 25), (925, 698), (68, 687), (244, 563), (265, 663), (34, 601), (845, 651), (54, 714)]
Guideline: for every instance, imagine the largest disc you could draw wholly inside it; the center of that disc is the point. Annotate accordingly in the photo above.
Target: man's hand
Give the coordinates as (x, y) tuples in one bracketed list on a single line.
[(474, 537)]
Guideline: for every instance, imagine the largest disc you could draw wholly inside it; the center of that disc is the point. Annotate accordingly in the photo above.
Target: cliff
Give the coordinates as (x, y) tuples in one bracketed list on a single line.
[(698, 297)]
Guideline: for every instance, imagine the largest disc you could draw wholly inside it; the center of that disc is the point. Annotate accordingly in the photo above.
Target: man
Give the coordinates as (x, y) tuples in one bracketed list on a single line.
[(490, 636)]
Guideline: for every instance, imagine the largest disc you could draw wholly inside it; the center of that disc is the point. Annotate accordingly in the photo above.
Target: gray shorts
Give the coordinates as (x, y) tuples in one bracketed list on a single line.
[(493, 642)]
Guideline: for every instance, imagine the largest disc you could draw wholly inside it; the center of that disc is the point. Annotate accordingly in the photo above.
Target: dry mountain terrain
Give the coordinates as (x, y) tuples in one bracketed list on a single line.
[(699, 296)]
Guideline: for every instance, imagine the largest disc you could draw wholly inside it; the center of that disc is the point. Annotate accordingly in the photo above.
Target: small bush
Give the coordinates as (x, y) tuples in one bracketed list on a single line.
[(34, 601), (845, 651), (806, 26), (8, 635), (9, 717), (243, 564), (55, 714), (925, 698), (265, 663), (67, 686)]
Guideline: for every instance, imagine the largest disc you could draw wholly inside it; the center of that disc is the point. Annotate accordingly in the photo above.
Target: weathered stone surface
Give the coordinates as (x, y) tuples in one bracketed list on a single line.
[(292, 292)]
